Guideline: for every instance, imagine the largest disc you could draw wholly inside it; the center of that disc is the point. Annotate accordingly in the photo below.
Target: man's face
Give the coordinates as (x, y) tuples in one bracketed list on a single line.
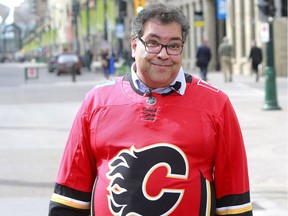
[(157, 70)]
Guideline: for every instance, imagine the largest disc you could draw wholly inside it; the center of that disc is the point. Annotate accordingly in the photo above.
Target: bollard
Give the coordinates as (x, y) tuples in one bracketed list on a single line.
[(73, 72)]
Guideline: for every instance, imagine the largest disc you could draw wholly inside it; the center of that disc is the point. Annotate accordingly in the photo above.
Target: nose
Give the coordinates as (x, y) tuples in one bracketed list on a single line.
[(163, 53)]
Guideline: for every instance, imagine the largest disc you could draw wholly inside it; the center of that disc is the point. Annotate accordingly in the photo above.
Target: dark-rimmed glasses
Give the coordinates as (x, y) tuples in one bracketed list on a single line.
[(155, 47)]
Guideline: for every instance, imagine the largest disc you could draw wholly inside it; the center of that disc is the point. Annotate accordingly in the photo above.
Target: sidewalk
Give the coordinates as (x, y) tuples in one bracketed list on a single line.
[(265, 136), (33, 136)]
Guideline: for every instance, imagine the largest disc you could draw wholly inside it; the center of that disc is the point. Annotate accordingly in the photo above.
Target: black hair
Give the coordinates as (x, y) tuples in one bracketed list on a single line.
[(164, 13)]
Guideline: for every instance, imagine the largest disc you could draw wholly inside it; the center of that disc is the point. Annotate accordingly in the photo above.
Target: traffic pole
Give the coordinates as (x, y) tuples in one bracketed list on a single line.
[(270, 81)]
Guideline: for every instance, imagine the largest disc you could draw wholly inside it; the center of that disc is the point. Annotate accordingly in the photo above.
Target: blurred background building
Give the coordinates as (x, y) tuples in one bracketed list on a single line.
[(42, 28)]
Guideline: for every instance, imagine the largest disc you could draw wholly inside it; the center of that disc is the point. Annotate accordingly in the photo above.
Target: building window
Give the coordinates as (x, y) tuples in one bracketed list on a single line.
[(253, 19), (243, 29), (232, 17), (284, 8)]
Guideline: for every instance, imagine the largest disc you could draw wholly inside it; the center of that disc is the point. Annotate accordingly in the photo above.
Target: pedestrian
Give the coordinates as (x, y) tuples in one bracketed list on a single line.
[(203, 58), (112, 66), (225, 52), (256, 58), (156, 141), (89, 59), (105, 63)]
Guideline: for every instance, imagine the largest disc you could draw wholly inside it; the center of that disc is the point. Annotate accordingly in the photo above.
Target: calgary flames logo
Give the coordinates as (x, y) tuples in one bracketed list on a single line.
[(134, 174)]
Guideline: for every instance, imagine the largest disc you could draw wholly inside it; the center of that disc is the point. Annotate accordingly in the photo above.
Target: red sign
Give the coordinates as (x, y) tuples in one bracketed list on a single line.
[(32, 72), (264, 33)]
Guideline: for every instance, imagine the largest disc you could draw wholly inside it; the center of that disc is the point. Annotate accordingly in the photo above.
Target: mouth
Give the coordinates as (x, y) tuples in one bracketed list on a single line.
[(161, 65)]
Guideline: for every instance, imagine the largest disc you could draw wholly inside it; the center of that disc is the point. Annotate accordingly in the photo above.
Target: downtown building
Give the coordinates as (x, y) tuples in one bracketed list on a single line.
[(241, 21), (105, 24)]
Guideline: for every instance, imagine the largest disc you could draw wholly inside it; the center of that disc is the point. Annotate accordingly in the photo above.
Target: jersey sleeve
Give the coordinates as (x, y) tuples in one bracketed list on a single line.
[(231, 171), (77, 172), (67, 202)]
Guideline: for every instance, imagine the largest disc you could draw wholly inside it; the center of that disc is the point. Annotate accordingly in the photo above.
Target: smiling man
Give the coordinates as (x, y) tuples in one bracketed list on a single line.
[(157, 65), (157, 141)]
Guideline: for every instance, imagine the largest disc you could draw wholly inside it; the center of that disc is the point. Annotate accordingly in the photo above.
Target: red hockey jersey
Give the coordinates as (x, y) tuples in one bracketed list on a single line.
[(133, 154)]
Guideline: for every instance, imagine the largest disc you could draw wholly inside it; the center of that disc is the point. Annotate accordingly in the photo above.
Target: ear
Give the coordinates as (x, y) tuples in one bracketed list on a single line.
[(133, 46)]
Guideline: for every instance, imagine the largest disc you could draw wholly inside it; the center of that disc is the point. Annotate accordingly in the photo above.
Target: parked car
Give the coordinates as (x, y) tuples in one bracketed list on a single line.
[(52, 64), (67, 62)]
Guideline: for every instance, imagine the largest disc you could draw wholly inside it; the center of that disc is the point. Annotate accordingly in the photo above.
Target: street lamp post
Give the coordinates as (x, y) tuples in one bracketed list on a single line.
[(268, 8), (105, 21), (88, 20), (270, 84), (75, 11)]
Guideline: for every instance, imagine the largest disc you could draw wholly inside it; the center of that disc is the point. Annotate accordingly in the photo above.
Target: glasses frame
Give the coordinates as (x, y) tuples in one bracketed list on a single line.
[(162, 45)]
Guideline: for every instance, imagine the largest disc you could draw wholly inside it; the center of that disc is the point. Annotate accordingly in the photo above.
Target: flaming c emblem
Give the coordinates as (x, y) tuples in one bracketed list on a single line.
[(130, 177)]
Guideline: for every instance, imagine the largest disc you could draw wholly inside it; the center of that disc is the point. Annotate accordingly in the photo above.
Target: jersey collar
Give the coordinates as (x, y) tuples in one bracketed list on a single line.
[(140, 86)]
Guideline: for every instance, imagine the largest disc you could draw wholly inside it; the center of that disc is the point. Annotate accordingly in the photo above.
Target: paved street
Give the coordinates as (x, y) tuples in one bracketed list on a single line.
[(36, 115)]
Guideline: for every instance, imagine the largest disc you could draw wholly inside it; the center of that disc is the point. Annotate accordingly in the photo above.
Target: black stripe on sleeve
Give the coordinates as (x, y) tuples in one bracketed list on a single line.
[(72, 193), (233, 200)]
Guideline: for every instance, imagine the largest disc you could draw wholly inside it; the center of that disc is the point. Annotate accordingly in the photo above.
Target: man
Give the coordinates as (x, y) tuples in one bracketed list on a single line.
[(89, 59), (225, 52), (203, 58), (256, 58), (156, 141)]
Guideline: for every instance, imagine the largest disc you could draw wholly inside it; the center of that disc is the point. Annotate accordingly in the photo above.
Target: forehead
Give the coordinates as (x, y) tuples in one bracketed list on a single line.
[(163, 31)]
